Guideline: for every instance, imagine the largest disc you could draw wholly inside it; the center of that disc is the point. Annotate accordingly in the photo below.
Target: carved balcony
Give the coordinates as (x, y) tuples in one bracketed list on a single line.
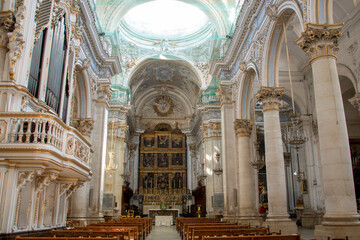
[(42, 139)]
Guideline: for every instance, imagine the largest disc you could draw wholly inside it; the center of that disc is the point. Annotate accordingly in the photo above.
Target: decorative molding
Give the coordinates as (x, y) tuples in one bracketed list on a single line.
[(270, 97), (355, 101), (243, 127), (16, 40), (271, 11), (73, 187), (163, 106), (193, 149), (83, 125), (320, 40), (44, 180), (25, 177), (212, 129), (3, 130), (225, 94), (104, 92), (7, 20)]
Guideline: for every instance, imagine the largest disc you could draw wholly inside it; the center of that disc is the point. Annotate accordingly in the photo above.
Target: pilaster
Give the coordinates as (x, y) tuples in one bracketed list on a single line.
[(211, 138), (225, 95), (99, 141), (320, 42)]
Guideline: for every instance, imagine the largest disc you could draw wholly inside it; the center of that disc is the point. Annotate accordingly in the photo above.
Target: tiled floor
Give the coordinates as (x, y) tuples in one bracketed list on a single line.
[(306, 233), (169, 233)]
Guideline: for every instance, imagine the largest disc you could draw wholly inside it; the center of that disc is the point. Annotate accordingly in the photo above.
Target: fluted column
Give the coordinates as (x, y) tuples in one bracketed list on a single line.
[(320, 42), (247, 200), (278, 217), (225, 95)]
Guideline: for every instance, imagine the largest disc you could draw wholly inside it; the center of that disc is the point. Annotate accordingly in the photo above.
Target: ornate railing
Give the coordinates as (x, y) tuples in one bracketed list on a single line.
[(42, 130)]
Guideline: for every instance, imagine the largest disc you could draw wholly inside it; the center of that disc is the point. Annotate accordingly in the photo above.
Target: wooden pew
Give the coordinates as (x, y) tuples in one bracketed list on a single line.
[(181, 221), (192, 228), (122, 235), (200, 234), (184, 230), (147, 221), (266, 237), (141, 226), (66, 238), (135, 232)]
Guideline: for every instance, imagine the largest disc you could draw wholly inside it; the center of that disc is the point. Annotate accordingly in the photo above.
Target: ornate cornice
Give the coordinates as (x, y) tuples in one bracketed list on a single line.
[(241, 32), (270, 97), (212, 129), (320, 40), (243, 127)]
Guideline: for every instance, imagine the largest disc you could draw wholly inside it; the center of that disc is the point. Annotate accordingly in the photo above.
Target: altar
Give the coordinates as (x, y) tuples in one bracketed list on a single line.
[(174, 213)]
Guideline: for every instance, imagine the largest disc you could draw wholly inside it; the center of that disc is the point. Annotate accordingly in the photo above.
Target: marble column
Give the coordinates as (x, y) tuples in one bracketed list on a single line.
[(79, 205), (341, 218), (247, 201), (192, 166), (99, 141), (278, 217), (228, 152)]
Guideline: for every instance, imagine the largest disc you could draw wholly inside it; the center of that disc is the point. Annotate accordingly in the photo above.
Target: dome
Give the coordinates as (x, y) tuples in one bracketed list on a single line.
[(165, 19)]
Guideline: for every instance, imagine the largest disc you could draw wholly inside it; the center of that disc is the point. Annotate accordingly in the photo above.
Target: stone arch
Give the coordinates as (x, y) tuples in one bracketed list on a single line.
[(246, 92), (287, 10), (81, 94), (345, 71)]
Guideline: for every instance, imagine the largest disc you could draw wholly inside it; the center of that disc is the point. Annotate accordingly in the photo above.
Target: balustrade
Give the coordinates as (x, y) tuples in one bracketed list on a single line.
[(39, 130)]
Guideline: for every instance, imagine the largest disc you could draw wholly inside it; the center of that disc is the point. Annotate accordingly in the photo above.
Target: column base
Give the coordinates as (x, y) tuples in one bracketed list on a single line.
[(323, 232), (254, 221), (230, 218), (311, 219), (84, 221), (285, 226)]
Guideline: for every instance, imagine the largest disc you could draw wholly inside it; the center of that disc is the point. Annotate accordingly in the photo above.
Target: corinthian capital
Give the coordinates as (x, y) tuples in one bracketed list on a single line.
[(83, 125), (243, 127), (225, 94), (320, 40), (7, 20), (270, 97), (104, 92)]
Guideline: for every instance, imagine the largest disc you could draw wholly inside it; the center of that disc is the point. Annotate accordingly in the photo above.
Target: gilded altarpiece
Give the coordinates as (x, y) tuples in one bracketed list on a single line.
[(162, 167)]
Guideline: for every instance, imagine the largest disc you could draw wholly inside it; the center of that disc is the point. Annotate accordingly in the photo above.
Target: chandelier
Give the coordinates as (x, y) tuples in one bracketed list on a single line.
[(259, 161), (297, 138)]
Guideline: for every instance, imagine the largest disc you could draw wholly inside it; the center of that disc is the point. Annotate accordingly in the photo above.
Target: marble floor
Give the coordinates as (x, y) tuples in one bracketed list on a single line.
[(163, 232), (169, 233)]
